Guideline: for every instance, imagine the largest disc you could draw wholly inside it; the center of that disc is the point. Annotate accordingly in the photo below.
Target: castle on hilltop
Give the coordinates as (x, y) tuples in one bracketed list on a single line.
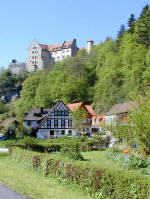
[(41, 55)]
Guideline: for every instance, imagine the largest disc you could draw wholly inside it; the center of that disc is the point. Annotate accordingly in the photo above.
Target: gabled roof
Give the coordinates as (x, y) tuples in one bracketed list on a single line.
[(90, 109), (75, 106), (51, 110), (55, 47), (35, 114), (122, 108)]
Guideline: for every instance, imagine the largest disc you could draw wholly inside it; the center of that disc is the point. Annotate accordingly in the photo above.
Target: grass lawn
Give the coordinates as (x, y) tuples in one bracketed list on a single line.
[(33, 185), (98, 158)]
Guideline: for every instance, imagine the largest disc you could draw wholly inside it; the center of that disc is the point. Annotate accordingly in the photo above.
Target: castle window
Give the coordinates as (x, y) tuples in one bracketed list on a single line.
[(32, 52), (57, 57), (32, 57), (55, 52), (34, 47), (33, 62)]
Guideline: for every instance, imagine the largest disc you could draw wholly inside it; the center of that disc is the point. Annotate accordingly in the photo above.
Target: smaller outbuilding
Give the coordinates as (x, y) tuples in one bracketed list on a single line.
[(120, 112)]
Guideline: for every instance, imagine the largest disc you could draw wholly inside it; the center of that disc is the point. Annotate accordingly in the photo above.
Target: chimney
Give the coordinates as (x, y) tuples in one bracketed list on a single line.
[(90, 43)]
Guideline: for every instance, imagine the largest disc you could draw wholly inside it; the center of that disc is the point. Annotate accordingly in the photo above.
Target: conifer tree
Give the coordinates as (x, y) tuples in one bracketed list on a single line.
[(119, 36), (142, 28), (131, 23)]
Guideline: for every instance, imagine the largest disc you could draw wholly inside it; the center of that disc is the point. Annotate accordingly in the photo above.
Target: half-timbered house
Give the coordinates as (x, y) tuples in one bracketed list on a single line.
[(57, 122)]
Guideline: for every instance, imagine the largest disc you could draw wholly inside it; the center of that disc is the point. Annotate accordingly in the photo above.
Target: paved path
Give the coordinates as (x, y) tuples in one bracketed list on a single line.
[(7, 193)]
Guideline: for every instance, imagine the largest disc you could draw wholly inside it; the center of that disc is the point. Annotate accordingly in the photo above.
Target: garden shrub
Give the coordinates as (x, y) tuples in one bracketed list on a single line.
[(72, 150), (136, 162), (112, 184)]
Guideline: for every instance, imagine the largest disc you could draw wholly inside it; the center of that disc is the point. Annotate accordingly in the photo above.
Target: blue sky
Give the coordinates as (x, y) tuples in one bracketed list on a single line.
[(51, 22)]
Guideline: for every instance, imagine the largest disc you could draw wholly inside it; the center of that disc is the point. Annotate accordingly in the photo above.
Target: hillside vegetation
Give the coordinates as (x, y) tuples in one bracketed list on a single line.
[(112, 72)]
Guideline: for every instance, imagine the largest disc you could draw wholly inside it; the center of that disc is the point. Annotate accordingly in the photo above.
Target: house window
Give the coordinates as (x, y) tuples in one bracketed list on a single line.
[(59, 113), (55, 123), (66, 113), (70, 123), (55, 113), (62, 113), (28, 123), (48, 123), (63, 132), (62, 123)]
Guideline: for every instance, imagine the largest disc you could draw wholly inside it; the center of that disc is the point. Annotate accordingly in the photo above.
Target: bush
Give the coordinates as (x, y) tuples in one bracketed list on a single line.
[(72, 150), (136, 162), (112, 184)]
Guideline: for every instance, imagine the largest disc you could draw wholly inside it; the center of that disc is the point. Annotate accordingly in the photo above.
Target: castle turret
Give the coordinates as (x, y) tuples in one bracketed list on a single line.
[(90, 43)]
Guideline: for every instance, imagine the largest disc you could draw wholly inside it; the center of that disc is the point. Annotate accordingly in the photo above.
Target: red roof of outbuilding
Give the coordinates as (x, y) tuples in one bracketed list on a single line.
[(122, 108)]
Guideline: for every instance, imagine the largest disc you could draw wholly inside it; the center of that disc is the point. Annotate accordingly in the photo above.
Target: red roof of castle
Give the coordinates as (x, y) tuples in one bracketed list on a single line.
[(56, 46)]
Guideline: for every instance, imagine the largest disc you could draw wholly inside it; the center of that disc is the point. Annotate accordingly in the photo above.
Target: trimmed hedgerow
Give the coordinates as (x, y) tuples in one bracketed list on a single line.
[(59, 144), (112, 184)]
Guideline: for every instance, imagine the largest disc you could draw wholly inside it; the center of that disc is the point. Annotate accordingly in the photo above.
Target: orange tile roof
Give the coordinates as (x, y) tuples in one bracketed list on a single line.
[(90, 109), (74, 106)]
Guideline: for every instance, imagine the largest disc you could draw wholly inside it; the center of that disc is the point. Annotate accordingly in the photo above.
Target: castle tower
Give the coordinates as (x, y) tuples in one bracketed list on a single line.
[(90, 43)]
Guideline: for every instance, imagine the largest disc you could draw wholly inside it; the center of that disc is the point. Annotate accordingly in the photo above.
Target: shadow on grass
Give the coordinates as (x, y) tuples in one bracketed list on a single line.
[(3, 155)]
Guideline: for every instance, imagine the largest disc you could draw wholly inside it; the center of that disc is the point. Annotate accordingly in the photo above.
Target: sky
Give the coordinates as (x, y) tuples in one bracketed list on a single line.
[(52, 22)]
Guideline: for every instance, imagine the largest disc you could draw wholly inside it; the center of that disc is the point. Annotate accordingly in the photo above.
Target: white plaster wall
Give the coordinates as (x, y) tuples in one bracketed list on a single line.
[(110, 119)]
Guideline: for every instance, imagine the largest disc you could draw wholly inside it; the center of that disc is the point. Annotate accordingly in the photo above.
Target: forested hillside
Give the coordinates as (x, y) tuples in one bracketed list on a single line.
[(112, 72)]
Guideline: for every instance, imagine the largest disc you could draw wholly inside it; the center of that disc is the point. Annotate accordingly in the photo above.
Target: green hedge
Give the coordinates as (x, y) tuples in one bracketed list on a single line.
[(100, 181), (53, 145)]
